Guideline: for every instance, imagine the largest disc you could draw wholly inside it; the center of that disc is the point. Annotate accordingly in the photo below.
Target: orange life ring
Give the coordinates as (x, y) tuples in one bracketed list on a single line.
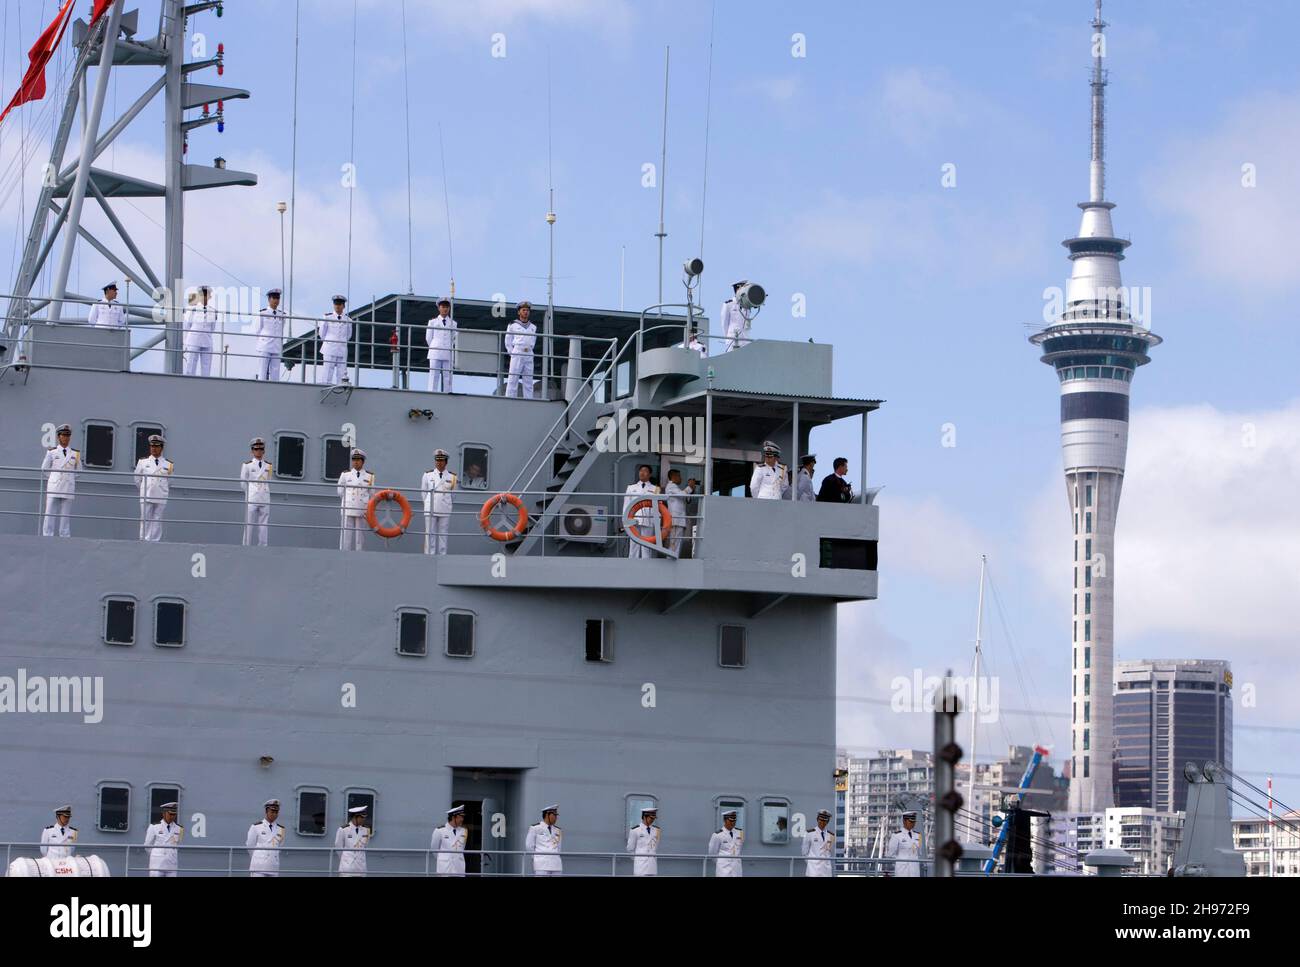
[(485, 517), (665, 519), (373, 521)]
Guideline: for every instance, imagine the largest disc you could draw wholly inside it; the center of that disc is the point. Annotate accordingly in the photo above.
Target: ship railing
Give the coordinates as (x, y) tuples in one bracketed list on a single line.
[(214, 510), (133, 859), (480, 368)]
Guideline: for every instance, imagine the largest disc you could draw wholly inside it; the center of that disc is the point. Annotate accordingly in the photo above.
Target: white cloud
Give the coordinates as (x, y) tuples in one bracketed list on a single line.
[(922, 536), (1233, 234), (920, 105)]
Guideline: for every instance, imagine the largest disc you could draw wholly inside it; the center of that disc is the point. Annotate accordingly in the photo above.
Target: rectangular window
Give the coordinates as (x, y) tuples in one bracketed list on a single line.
[(338, 458), (290, 456), (142, 434), (1087, 577), (311, 812), (1087, 630), (731, 646), (775, 819), (599, 639), (159, 795), (460, 634), (474, 465), (1087, 684), (1087, 658), (1074, 712), (635, 804), (1087, 733), (1076, 550), (114, 813), (1087, 602), (1087, 712), (169, 623), (98, 451), (1088, 522), (119, 621), (848, 554), (413, 633), (1087, 549), (362, 797), (726, 805), (1086, 761), (1089, 495)]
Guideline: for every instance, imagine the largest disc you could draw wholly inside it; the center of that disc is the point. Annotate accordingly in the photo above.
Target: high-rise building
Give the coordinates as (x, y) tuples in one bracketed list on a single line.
[(1251, 837), (1095, 344), (1149, 836), (876, 787), (1169, 713)]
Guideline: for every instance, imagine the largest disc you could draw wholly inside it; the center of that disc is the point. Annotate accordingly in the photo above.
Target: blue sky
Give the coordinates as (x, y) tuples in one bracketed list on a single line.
[(825, 179)]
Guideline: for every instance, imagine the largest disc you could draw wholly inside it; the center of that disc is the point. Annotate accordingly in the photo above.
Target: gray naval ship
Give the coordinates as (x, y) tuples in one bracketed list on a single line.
[(568, 659)]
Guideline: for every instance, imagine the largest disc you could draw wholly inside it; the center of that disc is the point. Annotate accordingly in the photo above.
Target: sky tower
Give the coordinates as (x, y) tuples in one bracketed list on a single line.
[(1095, 345)]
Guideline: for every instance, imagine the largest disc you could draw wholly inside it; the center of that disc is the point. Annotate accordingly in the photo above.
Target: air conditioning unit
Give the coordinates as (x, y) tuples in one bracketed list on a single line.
[(584, 523)]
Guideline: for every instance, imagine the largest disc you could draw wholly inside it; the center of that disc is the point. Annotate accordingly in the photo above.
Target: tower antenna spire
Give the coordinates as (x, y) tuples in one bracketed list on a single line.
[(1097, 168)]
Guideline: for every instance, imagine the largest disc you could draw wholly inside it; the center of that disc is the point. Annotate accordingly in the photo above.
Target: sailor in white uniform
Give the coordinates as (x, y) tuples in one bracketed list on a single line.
[(335, 332), (644, 521), (437, 485), (108, 313), (643, 844), (264, 840), (440, 335), (352, 839), (905, 848), (449, 843), (200, 322), (255, 479), (543, 841), (677, 507), (57, 841), (61, 465), (162, 838), (153, 479), (355, 488), (521, 336), (770, 480), (725, 844), (805, 491), (270, 337), (819, 847), (734, 324)]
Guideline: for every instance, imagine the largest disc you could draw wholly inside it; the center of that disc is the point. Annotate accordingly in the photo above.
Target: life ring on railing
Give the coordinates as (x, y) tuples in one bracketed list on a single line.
[(665, 519), (485, 517), (395, 530)]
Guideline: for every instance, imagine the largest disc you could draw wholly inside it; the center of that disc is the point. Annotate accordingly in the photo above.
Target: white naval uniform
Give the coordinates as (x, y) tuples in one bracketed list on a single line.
[(152, 478), (805, 492), (818, 848), (769, 483), (263, 860), (734, 325), (677, 510), (270, 341), (905, 846), (437, 487), (440, 336), (255, 477), (449, 838), (544, 843), (352, 840), (106, 314), (200, 322), (160, 836), (520, 339), (57, 841), (643, 843), (62, 463), (335, 332), (725, 844), (645, 517), (355, 487)]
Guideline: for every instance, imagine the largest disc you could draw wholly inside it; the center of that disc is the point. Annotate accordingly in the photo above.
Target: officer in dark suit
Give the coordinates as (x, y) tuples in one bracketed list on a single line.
[(835, 489)]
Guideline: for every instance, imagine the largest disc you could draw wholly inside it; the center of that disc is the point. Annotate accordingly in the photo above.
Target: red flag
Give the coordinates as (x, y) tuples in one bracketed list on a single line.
[(33, 86), (98, 11)]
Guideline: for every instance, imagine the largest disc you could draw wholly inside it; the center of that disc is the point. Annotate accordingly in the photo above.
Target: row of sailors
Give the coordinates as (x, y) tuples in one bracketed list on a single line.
[(543, 842), (771, 480), (334, 332)]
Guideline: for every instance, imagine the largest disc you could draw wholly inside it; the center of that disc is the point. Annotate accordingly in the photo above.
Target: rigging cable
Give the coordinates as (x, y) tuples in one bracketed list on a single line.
[(352, 148), (293, 163), (708, 104), (406, 87)]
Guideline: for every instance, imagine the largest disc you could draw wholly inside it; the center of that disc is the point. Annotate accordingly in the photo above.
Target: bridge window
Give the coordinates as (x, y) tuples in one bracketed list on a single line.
[(119, 621), (844, 553), (169, 623), (290, 456), (361, 797), (474, 466), (412, 632), (337, 456), (459, 634), (635, 804), (113, 812), (311, 812), (775, 821), (159, 795), (98, 451), (600, 639), (731, 646), (142, 433), (726, 804)]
